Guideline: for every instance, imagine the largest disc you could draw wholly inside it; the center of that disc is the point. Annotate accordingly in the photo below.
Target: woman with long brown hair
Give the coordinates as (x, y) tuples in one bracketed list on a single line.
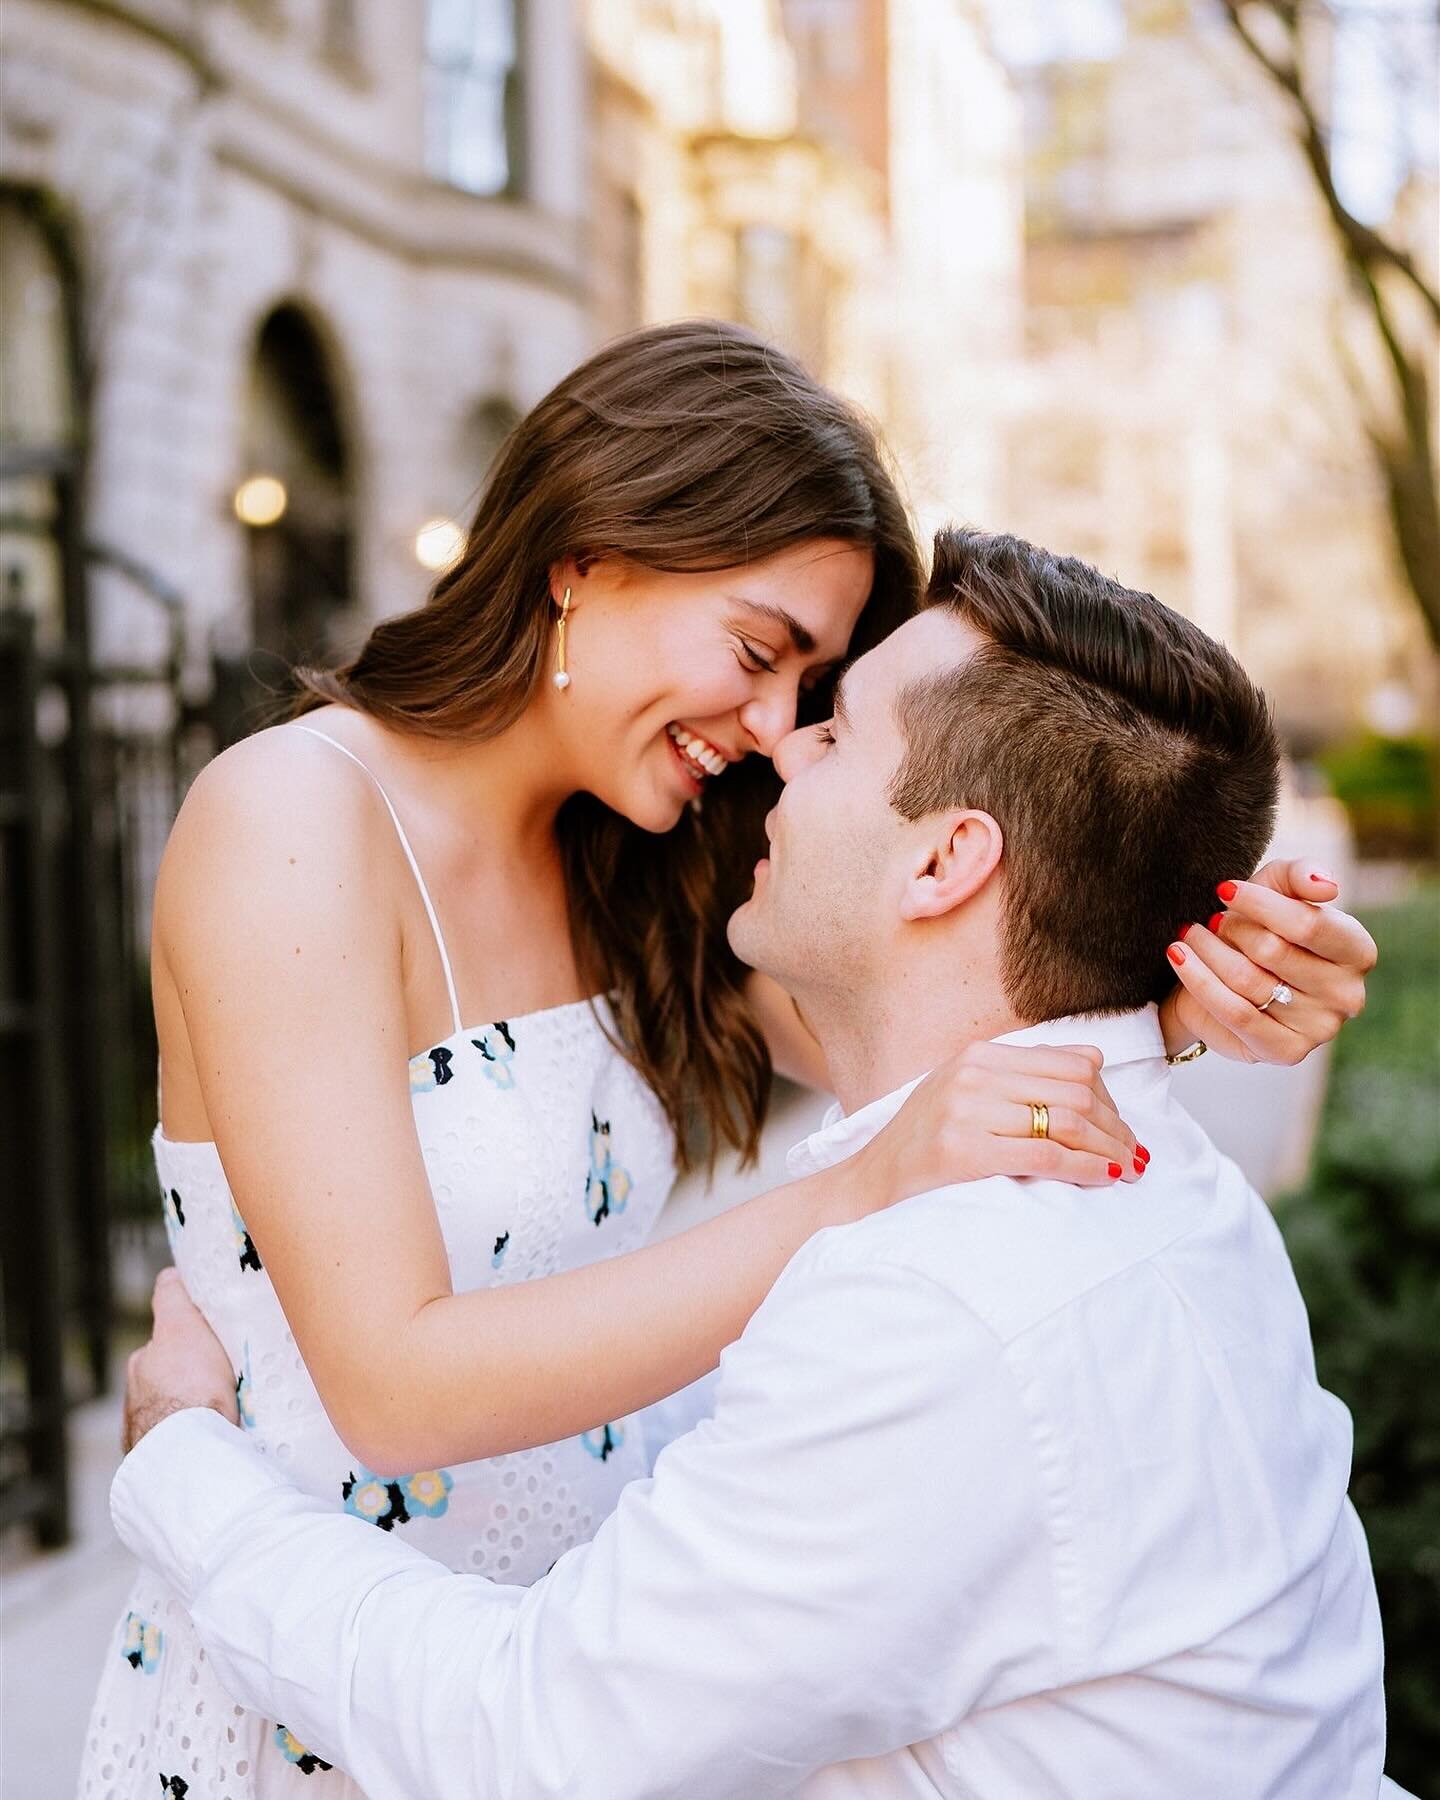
[(444, 993)]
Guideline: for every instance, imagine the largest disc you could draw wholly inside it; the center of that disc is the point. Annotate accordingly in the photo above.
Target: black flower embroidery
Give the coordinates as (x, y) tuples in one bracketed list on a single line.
[(244, 1243)]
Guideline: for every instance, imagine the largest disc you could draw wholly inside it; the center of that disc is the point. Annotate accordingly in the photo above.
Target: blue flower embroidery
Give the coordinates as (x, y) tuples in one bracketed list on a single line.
[(142, 1643), (244, 1245), (602, 1444), (497, 1045), (502, 1244), (607, 1185), (396, 1501), (295, 1752), (245, 1392), (431, 1070)]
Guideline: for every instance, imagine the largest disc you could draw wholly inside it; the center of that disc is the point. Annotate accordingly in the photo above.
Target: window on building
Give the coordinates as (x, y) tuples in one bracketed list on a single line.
[(485, 430), (826, 36), (767, 282), (39, 432), (302, 549), (472, 94), (629, 261), (340, 31)]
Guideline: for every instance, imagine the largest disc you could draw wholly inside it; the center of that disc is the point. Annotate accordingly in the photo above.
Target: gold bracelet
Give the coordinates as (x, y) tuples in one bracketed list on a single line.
[(1188, 1054)]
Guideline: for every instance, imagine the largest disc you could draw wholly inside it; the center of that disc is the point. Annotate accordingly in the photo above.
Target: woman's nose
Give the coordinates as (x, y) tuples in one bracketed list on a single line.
[(769, 720), (792, 753)]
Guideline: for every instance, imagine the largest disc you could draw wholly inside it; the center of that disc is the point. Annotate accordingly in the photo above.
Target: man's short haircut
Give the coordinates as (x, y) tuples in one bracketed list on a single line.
[(1129, 760)]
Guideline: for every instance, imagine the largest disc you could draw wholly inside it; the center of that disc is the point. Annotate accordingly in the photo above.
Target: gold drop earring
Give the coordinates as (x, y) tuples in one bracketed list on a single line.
[(561, 677)]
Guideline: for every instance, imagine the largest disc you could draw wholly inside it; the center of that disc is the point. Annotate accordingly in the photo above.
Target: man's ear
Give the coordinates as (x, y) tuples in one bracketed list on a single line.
[(956, 858)]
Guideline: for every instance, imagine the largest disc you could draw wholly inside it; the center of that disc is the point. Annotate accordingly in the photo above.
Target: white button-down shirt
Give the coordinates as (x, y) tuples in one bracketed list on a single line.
[(1014, 1490)]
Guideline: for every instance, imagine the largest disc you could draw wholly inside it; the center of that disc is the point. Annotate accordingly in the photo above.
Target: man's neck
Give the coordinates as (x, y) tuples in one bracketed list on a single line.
[(874, 1044)]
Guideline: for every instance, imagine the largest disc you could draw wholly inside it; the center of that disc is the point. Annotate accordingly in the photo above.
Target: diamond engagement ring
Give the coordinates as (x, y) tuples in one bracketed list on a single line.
[(1280, 995)]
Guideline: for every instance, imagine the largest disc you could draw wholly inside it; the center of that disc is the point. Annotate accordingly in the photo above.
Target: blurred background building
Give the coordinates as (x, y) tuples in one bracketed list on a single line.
[(277, 276), (1186, 414)]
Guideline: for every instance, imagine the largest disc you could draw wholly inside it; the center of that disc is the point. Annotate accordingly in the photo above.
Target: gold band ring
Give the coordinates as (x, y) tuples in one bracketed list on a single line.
[(1188, 1054), (1039, 1119)]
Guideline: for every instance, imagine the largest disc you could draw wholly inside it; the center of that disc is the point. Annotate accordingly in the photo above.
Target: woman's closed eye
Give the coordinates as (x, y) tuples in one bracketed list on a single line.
[(756, 662)]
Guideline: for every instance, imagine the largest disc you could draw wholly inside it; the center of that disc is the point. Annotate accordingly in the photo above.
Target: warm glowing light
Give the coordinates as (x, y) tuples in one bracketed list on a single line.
[(261, 500), (1392, 710), (438, 543)]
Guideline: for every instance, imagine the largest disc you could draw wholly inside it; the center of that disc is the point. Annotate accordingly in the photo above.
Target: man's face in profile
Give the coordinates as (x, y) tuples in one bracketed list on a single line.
[(826, 900)]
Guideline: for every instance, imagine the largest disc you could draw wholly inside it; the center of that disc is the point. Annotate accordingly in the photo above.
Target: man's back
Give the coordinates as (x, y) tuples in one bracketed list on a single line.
[(1182, 1603)]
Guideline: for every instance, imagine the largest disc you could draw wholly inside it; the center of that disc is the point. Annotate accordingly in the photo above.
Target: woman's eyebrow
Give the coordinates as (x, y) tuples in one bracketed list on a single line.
[(803, 640)]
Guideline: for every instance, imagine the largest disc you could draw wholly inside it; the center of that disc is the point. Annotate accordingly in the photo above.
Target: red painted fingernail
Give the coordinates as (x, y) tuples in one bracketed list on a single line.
[(1139, 1166), (1226, 891), (1115, 1171), (1185, 929), (1216, 921), (1176, 955), (1140, 1150)]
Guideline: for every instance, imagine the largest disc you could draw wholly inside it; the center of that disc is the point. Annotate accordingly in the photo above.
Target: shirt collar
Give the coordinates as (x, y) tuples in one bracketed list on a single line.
[(1133, 1037)]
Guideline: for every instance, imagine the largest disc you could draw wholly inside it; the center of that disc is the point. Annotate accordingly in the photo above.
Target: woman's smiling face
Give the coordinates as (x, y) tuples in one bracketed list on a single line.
[(675, 676)]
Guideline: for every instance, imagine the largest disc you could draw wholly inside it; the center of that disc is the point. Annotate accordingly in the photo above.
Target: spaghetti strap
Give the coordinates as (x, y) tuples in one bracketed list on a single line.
[(335, 743)]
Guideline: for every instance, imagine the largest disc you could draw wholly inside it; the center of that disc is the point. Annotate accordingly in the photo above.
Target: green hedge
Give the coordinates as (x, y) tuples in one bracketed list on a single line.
[(1387, 786), (1364, 1235)]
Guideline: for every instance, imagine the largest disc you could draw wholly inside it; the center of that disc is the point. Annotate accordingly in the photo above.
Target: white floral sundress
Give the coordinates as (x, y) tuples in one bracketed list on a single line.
[(545, 1151)]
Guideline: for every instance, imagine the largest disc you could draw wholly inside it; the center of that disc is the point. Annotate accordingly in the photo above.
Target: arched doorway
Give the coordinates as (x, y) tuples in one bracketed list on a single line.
[(39, 419), (486, 428), (297, 497)]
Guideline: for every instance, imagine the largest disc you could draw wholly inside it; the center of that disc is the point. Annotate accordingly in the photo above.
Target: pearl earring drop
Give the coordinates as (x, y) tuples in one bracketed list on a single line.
[(561, 677)]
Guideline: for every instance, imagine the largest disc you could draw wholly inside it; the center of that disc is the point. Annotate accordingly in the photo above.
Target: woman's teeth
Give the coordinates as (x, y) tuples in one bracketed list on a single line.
[(705, 758)]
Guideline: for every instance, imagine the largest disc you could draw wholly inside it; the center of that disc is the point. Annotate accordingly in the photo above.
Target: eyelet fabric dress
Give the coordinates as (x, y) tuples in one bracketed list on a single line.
[(545, 1151)]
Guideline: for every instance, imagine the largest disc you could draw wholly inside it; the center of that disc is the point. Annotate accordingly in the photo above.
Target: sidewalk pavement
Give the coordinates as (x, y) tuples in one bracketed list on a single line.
[(57, 1610)]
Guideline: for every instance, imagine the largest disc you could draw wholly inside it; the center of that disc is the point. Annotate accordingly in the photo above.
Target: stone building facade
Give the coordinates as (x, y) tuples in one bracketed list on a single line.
[(843, 174), (339, 243)]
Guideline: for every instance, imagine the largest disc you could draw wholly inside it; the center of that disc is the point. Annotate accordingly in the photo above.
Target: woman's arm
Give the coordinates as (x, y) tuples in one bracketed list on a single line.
[(283, 942)]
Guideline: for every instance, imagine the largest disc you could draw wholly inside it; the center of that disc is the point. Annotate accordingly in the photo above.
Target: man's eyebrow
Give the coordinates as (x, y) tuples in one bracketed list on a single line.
[(803, 640)]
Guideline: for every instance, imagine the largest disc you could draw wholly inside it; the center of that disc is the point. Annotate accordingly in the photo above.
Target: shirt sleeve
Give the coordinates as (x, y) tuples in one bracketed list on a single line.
[(673, 1416), (844, 1559)]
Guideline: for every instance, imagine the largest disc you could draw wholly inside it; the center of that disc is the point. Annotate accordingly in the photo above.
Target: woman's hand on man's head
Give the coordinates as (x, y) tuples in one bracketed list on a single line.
[(1277, 929)]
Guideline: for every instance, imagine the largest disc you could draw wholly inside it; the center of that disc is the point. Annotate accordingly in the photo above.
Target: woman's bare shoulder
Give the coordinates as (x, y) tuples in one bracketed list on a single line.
[(285, 775), (266, 813)]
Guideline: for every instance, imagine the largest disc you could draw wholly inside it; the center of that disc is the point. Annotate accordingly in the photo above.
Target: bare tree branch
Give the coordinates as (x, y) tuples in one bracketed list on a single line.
[(1400, 435), (1365, 245)]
